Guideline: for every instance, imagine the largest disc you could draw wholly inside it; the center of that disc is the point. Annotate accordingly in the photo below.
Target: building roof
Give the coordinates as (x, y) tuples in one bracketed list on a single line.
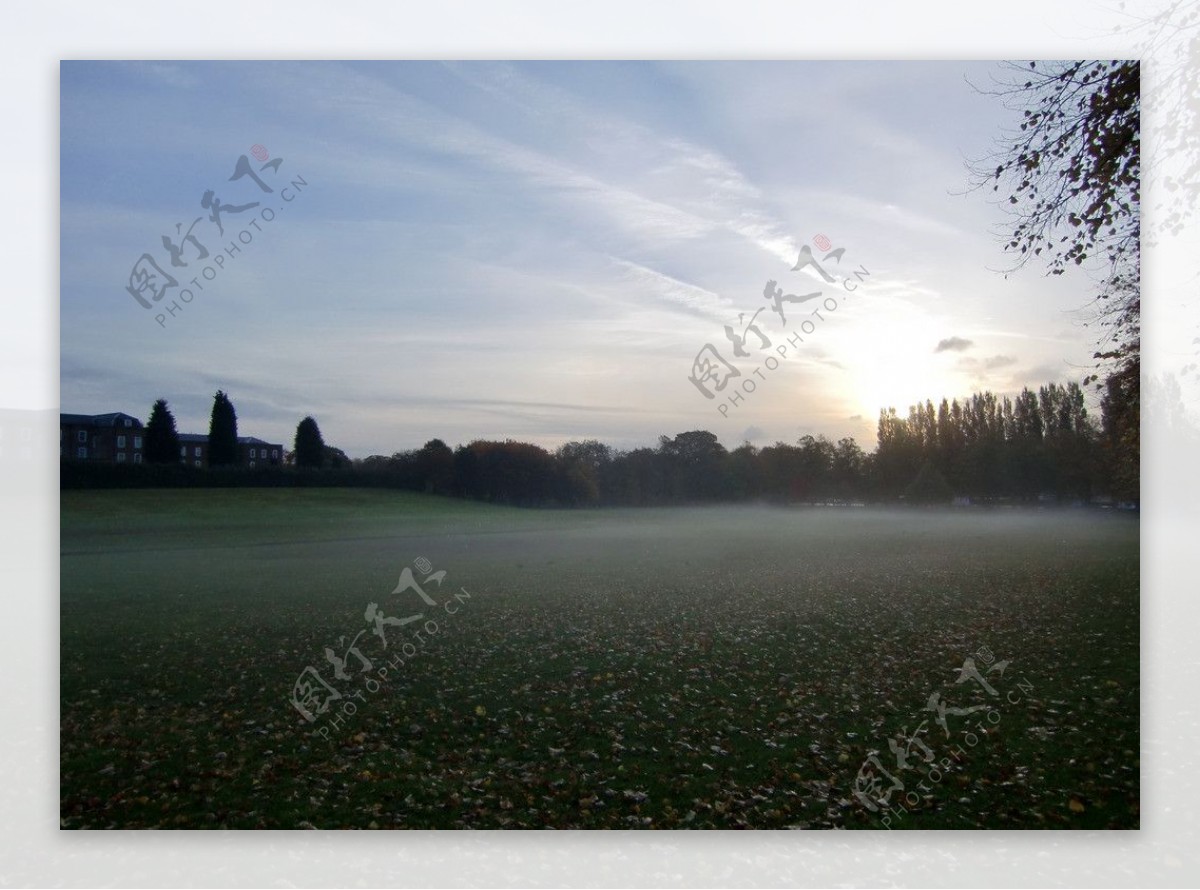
[(110, 419), (202, 438), (116, 417)]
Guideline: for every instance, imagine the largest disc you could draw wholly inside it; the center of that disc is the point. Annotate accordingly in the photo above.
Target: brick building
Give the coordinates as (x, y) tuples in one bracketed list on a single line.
[(119, 438), (193, 449), (254, 452), (114, 438)]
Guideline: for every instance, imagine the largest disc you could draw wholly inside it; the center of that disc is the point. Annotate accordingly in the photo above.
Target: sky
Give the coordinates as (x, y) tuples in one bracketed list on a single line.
[(542, 251)]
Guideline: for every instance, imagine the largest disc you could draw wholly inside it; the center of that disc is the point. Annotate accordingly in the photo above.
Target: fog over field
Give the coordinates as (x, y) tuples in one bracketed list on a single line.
[(688, 667)]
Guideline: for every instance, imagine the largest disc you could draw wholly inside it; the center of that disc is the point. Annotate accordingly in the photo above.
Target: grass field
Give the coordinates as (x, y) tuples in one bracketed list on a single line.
[(712, 667)]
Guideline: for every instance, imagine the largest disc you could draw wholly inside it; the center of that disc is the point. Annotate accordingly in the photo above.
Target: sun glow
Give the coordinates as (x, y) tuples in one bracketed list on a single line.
[(895, 367)]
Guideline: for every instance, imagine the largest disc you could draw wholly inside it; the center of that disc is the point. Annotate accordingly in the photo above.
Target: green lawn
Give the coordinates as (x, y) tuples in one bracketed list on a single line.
[(710, 667)]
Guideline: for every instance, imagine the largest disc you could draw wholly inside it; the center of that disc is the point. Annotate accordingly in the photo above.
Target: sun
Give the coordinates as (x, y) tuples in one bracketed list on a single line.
[(895, 369)]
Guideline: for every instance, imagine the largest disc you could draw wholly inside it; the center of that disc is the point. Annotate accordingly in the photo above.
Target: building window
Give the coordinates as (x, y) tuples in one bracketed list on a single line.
[(137, 458), (251, 463), (81, 436), (137, 442), (197, 463), (253, 453), (128, 422), (81, 452), (120, 457), (196, 452), (275, 452), (183, 451), (120, 441)]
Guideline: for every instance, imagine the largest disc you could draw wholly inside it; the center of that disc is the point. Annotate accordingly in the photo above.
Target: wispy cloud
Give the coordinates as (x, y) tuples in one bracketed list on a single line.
[(526, 249), (694, 299)]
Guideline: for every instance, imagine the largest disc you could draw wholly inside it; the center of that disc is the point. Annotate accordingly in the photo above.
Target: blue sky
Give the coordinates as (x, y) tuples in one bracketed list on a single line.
[(540, 250)]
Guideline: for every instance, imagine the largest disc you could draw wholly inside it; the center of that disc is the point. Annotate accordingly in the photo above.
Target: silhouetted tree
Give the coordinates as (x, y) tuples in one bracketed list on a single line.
[(582, 470), (636, 478), (1121, 429), (162, 439), (897, 455), (695, 465), (506, 472), (745, 473), (222, 433), (848, 470), (780, 471), (1042, 442), (309, 446), (816, 467), (1072, 174), (929, 487), (334, 458), (466, 472), (435, 467)]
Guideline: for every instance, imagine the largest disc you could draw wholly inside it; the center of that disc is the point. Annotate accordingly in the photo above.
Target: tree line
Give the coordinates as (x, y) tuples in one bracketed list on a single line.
[(1040, 443), (984, 448)]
